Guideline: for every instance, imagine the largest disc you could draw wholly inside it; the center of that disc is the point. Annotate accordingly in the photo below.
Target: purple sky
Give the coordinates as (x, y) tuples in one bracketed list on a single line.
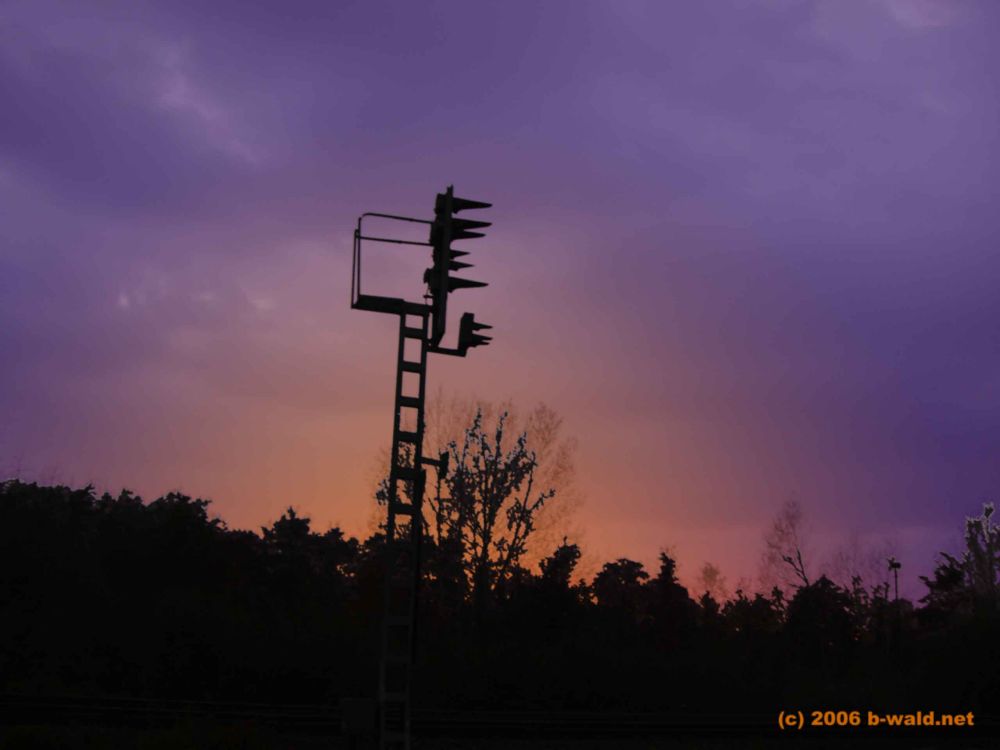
[(748, 250)]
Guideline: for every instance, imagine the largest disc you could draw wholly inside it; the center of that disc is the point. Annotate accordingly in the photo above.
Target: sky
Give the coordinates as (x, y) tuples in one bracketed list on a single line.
[(747, 250)]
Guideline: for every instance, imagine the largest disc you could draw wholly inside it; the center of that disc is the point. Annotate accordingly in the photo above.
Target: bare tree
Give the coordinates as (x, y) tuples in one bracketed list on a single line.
[(857, 558), (446, 420), (782, 563), (491, 503), (713, 582)]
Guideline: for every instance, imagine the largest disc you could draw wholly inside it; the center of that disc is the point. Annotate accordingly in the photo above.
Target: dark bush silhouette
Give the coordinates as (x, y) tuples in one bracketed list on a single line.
[(112, 596)]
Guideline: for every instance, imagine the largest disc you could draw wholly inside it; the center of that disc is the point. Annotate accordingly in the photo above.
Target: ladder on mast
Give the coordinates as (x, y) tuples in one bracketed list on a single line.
[(407, 479)]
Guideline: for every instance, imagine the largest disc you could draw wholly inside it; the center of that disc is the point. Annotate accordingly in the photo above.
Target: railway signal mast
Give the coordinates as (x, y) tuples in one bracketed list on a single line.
[(424, 322)]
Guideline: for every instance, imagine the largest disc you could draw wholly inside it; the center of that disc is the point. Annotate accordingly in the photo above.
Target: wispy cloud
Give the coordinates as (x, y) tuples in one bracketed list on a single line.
[(923, 14), (179, 91)]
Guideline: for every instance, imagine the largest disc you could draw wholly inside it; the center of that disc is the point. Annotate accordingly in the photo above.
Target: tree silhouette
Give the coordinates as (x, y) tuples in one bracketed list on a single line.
[(490, 505), (618, 585), (756, 615), (713, 583), (948, 597), (447, 419), (111, 596), (982, 557), (673, 612), (557, 569), (782, 562), (966, 584), (819, 620)]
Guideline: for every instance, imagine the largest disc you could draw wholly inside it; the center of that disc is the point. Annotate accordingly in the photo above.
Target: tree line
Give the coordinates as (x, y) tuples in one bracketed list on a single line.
[(111, 595)]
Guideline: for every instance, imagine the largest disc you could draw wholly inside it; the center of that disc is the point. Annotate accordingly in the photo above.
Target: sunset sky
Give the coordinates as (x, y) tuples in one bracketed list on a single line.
[(748, 250)]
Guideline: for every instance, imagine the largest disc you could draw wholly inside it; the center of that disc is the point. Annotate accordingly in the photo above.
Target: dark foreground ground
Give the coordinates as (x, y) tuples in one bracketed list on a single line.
[(95, 723), (202, 736)]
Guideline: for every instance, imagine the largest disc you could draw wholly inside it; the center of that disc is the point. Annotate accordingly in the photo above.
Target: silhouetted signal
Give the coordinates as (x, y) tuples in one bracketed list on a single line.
[(467, 336), (446, 229), (402, 551)]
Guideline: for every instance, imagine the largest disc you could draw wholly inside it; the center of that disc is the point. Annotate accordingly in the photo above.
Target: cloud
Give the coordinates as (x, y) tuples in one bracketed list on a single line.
[(922, 14), (715, 223), (177, 91), (112, 111), (261, 304)]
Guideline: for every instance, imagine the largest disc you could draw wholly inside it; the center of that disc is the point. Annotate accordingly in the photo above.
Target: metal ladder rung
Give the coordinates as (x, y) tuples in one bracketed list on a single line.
[(411, 401), (394, 713), (403, 509), (410, 366), (407, 473), (408, 437), (413, 333)]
